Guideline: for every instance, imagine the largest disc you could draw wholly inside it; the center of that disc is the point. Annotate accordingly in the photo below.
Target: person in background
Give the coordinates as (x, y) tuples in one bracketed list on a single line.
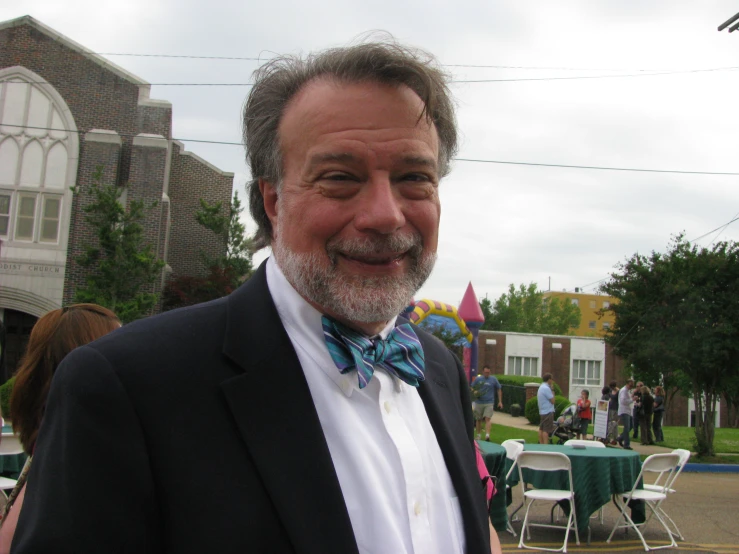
[(645, 418), (486, 388), (54, 336), (613, 412), (637, 409), (659, 412), (625, 409), (585, 413), (545, 397)]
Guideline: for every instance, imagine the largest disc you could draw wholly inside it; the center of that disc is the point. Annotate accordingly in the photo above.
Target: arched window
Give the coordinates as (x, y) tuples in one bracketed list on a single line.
[(38, 160)]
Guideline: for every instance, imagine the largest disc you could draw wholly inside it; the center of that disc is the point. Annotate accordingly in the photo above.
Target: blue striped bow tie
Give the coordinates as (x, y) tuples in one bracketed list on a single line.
[(400, 353)]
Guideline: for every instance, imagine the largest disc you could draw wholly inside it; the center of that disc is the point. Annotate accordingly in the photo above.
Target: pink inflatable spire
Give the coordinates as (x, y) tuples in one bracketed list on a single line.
[(469, 310)]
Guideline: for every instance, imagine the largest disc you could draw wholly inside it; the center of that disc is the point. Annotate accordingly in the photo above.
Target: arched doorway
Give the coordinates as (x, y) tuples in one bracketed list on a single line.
[(17, 327)]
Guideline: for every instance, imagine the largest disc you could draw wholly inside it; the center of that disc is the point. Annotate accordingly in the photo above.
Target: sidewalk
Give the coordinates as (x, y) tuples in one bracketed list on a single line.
[(502, 418)]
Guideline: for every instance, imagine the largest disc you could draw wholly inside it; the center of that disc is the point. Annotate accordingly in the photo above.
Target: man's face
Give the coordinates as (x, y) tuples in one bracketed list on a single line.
[(486, 372), (355, 223)]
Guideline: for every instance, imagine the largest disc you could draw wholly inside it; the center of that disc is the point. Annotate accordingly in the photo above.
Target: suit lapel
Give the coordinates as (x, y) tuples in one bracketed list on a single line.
[(274, 412), (451, 434)]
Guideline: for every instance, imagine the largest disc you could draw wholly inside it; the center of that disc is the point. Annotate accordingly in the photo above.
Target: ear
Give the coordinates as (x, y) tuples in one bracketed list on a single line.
[(269, 195)]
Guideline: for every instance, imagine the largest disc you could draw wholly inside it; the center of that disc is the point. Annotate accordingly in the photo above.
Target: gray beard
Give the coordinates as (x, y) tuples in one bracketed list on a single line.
[(356, 298)]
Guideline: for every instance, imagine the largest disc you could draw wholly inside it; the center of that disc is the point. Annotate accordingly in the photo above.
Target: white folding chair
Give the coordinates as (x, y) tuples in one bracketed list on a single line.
[(512, 449), (669, 487), (656, 463), (585, 443), (546, 461), (10, 444)]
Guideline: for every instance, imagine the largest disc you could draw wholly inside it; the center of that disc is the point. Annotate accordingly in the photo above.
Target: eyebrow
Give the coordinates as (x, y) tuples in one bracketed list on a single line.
[(332, 157), (420, 161)]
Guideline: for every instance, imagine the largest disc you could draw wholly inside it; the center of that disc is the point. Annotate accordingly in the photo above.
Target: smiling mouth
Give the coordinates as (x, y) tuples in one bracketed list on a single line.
[(375, 259)]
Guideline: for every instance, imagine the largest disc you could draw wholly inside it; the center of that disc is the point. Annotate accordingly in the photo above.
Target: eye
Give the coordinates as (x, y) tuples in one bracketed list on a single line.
[(337, 176), (417, 177)]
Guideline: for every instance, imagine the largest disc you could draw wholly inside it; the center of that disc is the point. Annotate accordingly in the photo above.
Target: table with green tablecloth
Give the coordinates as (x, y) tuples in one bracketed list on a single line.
[(495, 462), (597, 473)]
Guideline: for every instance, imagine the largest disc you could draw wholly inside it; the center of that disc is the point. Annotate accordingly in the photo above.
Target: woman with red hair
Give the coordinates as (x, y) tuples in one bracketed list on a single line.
[(54, 336)]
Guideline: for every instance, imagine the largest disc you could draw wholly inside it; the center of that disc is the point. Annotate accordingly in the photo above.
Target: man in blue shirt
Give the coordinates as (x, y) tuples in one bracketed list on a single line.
[(484, 388), (545, 396)]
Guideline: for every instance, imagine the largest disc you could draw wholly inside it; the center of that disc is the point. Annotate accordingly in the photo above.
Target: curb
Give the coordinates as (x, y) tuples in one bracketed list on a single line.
[(711, 468)]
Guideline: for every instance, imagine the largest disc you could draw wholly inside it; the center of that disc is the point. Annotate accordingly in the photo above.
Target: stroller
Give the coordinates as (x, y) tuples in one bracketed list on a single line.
[(566, 424)]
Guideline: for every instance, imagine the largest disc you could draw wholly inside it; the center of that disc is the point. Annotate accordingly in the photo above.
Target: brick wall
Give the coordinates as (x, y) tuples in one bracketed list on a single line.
[(103, 155), (100, 98), (491, 354), (557, 361), (190, 180)]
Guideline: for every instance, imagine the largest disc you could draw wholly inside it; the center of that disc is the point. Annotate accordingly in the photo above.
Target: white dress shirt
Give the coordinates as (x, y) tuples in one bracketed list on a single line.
[(392, 474)]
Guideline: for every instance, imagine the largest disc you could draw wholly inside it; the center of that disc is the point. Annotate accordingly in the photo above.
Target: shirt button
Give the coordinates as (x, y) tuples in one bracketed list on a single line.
[(417, 508), (388, 406)]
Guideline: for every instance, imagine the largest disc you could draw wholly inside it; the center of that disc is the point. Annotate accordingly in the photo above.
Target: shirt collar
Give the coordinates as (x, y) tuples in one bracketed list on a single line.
[(304, 327)]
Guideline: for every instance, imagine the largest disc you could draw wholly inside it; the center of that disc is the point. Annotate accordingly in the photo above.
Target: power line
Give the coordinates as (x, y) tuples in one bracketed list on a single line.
[(724, 228), (462, 81), (716, 229), (534, 164), (472, 66), (598, 76), (600, 168)]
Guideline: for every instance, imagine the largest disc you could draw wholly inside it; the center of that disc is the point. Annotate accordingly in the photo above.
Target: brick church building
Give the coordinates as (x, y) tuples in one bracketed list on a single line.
[(65, 112)]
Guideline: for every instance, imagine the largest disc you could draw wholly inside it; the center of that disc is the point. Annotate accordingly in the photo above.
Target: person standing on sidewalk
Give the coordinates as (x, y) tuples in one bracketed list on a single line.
[(484, 389), (659, 412), (637, 409), (613, 412), (645, 419), (545, 397), (625, 403)]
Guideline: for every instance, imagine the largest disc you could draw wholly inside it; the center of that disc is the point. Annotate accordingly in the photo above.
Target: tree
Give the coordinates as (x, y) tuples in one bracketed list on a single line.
[(232, 232), (122, 267), (226, 271), (453, 339), (525, 310), (677, 322)]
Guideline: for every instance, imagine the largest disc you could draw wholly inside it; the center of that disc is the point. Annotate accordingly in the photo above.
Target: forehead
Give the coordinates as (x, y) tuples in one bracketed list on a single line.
[(330, 110)]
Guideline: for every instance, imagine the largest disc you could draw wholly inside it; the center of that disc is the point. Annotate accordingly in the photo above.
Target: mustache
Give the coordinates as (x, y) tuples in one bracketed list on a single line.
[(409, 244)]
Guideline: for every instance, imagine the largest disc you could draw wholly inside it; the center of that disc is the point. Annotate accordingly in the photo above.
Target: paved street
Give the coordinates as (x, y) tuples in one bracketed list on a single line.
[(705, 508)]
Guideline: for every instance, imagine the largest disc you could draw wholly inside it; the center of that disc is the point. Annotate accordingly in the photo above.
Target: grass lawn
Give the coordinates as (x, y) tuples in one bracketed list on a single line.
[(499, 433), (725, 441)]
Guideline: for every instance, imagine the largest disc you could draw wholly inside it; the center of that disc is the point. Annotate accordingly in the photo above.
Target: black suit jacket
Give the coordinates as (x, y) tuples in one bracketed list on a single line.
[(169, 435)]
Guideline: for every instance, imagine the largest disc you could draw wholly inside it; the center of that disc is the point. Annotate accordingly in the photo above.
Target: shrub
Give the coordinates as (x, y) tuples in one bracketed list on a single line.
[(521, 380), (5, 391), (532, 408)]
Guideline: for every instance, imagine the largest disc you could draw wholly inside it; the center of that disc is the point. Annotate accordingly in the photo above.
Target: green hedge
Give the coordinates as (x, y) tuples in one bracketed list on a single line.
[(512, 394), (5, 391), (521, 380), (532, 408)]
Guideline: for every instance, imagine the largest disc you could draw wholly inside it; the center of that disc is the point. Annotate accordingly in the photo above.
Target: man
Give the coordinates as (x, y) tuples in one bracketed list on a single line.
[(625, 402), (637, 409), (545, 397), (166, 437), (613, 412), (484, 389)]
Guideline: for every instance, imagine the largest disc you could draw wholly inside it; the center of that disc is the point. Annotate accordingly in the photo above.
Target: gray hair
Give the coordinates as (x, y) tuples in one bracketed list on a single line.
[(276, 82)]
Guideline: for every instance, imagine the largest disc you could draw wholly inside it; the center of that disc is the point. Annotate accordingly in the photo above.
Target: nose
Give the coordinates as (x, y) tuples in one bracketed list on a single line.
[(380, 207)]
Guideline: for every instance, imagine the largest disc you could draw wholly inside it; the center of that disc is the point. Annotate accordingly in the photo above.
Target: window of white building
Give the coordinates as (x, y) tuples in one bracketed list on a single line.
[(520, 365), (585, 372), (35, 153)]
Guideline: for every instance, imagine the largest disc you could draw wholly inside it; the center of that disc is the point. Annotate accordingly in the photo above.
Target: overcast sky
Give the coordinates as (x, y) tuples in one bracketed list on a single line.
[(500, 224)]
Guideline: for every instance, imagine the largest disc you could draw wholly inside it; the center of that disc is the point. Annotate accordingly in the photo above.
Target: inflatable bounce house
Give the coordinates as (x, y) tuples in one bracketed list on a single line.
[(467, 320)]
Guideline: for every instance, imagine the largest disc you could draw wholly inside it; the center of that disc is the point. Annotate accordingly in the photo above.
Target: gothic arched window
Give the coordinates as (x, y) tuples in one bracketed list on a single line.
[(38, 160)]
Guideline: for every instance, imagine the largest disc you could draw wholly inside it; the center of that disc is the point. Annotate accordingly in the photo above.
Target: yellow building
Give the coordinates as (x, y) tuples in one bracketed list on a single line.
[(592, 322)]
